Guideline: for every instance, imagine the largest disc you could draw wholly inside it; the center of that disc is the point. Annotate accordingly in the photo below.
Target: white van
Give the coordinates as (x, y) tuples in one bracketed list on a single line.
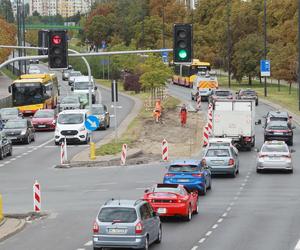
[(81, 86), (70, 125)]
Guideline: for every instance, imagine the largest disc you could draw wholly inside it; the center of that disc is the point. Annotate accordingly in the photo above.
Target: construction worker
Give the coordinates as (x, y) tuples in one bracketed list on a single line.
[(183, 115), (157, 111)]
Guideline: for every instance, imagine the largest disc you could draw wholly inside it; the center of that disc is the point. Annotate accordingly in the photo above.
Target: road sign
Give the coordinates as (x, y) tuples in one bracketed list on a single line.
[(92, 123), (103, 44), (265, 68)]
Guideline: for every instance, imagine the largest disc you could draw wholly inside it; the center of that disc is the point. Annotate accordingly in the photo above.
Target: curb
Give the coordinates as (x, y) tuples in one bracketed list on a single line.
[(18, 228)]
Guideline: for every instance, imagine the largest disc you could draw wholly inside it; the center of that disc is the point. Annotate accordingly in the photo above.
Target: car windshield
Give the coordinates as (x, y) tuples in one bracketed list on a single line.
[(277, 127), (43, 114), (222, 93), (81, 85), (183, 168), (248, 92), (217, 153), (276, 118), (226, 144), (69, 100), (74, 73), (27, 93), (97, 110), (119, 214), (9, 111), (274, 148), (70, 119), (11, 124)]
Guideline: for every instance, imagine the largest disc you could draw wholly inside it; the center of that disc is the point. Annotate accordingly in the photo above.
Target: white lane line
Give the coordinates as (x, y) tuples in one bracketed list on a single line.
[(297, 247), (231, 204), (228, 209), (13, 159), (89, 243), (241, 188), (220, 220), (19, 156), (194, 247), (224, 215), (235, 198), (80, 248), (215, 226), (7, 162), (202, 240), (1, 165), (243, 184), (208, 233)]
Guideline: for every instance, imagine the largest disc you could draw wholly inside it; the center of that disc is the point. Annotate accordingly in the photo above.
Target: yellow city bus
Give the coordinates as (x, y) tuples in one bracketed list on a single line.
[(185, 74), (34, 91)]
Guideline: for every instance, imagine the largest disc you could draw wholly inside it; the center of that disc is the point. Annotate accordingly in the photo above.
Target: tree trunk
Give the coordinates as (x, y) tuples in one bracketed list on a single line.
[(250, 80), (278, 85), (290, 88), (260, 79)]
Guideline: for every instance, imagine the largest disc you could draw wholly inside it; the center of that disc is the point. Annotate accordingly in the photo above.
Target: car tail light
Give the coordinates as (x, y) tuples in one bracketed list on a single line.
[(139, 228), (169, 175), (231, 161), (288, 156), (96, 227), (261, 155), (197, 175)]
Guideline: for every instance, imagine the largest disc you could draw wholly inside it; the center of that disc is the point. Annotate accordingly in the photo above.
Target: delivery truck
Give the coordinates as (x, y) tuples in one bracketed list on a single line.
[(235, 119)]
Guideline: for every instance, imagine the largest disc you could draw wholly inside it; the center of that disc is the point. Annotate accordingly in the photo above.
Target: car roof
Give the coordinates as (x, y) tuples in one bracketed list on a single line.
[(277, 123), (274, 142), (83, 78), (278, 113), (185, 162), (122, 203), (214, 140), (74, 111), (218, 147), (17, 120)]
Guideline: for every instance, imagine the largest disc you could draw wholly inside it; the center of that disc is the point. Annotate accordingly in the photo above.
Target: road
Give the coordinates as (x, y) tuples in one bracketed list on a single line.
[(252, 211)]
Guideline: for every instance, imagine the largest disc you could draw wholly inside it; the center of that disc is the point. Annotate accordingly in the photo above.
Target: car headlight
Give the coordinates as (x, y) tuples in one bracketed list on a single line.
[(23, 132), (82, 128)]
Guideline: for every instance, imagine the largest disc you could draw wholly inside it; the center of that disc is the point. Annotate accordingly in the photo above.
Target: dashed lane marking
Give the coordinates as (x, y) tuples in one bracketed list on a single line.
[(297, 247), (215, 226), (208, 233), (202, 240), (1, 165), (224, 215), (194, 247), (220, 220), (228, 209), (89, 243)]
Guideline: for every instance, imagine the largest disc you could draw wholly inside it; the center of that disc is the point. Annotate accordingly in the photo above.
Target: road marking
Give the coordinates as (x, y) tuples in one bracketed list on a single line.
[(202, 240), (220, 220), (19, 156), (7, 162), (297, 247), (13, 159), (215, 226), (231, 204), (1, 165), (80, 248), (241, 188), (235, 198), (208, 233), (89, 243), (194, 247), (243, 184), (228, 209), (224, 215)]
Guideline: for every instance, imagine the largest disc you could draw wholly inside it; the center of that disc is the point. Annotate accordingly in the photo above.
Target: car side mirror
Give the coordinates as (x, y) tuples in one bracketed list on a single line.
[(9, 89), (95, 88), (146, 191), (290, 117), (258, 122), (72, 88)]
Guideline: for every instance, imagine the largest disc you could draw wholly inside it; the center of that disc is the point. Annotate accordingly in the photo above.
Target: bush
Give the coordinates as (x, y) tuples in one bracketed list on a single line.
[(131, 82)]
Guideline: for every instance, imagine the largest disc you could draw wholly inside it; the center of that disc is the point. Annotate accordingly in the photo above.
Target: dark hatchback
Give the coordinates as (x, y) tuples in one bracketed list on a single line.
[(279, 131), (5, 146), (19, 130), (247, 94)]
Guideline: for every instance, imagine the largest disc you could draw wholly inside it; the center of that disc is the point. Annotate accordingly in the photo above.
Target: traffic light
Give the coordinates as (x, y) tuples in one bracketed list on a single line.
[(182, 44), (58, 49), (43, 41)]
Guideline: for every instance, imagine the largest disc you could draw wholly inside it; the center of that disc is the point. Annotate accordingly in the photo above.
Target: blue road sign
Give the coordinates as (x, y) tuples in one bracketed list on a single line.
[(265, 68), (103, 44), (92, 123), (164, 54)]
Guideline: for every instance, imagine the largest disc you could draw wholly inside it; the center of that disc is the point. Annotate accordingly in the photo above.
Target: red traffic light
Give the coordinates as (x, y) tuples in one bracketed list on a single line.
[(56, 39)]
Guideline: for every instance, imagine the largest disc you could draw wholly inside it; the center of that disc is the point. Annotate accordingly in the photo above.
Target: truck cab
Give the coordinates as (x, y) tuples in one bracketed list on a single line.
[(203, 85)]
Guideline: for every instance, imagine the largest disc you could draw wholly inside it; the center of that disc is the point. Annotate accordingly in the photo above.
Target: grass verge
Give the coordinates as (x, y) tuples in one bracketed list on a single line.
[(8, 73), (282, 97)]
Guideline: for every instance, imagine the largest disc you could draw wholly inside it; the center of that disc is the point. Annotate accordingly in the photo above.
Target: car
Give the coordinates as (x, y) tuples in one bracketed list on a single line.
[(221, 141), (84, 100), (72, 75), (34, 61), (44, 119), (222, 160), (81, 85), (278, 116), (100, 111), (34, 70), (247, 94), (126, 224), (10, 113), (70, 125), (19, 130), (66, 73), (190, 173), (172, 200), (274, 155), (70, 102), (220, 94), (279, 130), (5, 146)]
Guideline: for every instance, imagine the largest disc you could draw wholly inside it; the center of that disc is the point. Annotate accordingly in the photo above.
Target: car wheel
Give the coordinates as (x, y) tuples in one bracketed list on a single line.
[(87, 140), (189, 215), (233, 175), (33, 137), (105, 126), (146, 247), (159, 237), (10, 151), (290, 142), (204, 190), (290, 171), (56, 143), (209, 187), (256, 103), (197, 208), (258, 171), (1, 154), (28, 140), (97, 248), (108, 124)]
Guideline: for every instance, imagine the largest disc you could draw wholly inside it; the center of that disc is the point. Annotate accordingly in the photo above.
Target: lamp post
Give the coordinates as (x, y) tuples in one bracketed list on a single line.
[(229, 42), (299, 52), (163, 28), (265, 44)]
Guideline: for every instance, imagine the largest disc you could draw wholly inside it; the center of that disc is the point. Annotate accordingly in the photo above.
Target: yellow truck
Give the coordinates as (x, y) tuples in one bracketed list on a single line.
[(203, 86)]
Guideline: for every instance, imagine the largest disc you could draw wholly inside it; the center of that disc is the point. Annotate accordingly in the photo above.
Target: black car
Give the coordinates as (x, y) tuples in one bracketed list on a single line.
[(5, 146), (10, 113), (278, 116), (279, 131), (220, 94), (19, 130), (247, 94)]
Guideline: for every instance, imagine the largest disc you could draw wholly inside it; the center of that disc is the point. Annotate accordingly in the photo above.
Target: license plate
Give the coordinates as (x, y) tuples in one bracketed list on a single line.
[(42, 126), (274, 158), (117, 230), (162, 210), (184, 180), (278, 133), (13, 138)]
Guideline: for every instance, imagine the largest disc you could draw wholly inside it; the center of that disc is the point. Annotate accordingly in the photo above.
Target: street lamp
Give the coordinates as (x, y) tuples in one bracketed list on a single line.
[(265, 43), (229, 42), (163, 28), (299, 52)]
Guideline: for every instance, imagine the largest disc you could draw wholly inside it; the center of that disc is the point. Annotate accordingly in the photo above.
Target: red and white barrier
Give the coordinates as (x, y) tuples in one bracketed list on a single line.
[(165, 150), (210, 107), (123, 154), (36, 197), (63, 152), (198, 102), (205, 136)]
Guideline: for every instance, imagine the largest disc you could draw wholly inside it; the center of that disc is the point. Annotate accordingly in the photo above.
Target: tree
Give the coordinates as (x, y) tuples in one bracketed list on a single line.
[(8, 37), (6, 10)]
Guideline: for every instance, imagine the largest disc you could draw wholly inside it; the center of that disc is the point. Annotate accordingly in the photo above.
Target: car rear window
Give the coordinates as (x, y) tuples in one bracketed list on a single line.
[(222, 93), (168, 190), (226, 144), (120, 214), (183, 168), (248, 92), (274, 118), (274, 148), (278, 127), (217, 153)]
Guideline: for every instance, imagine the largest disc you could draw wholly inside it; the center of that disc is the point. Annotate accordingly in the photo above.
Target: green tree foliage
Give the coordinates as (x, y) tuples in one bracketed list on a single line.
[(7, 37), (6, 11)]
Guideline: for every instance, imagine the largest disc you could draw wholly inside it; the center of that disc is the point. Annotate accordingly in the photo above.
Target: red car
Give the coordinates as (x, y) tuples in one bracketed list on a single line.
[(172, 200), (44, 119)]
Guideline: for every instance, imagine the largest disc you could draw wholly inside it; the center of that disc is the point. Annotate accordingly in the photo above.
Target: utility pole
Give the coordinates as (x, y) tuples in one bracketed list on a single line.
[(299, 52), (163, 28), (265, 44), (229, 42)]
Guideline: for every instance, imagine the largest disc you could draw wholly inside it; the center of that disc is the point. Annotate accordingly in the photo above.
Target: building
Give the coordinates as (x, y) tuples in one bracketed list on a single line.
[(43, 7), (190, 4)]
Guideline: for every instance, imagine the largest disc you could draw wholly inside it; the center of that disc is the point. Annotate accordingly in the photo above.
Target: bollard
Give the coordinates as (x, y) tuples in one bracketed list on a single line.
[(123, 154), (165, 150), (63, 152), (92, 151), (37, 197), (1, 208)]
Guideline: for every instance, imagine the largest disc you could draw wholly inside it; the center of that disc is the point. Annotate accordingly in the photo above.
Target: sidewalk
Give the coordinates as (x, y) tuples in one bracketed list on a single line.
[(10, 226), (4, 83)]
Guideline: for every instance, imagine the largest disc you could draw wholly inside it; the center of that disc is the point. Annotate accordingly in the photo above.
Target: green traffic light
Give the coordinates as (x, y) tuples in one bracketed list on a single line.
[(182, 54)]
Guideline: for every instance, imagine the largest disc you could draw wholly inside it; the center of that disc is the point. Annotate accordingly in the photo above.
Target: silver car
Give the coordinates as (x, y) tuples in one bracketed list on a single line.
[(274, 155), (126, 224), (222, 160), (70, 102)]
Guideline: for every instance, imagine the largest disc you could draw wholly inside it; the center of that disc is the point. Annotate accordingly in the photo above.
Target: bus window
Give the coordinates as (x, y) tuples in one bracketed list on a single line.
[(26, 94)]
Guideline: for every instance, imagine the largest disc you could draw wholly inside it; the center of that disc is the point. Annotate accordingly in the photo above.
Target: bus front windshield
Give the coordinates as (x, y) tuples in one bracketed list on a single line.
[(27, 93)]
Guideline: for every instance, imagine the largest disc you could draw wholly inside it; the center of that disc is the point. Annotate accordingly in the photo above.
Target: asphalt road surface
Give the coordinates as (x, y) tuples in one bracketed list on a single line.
[(252, 211)]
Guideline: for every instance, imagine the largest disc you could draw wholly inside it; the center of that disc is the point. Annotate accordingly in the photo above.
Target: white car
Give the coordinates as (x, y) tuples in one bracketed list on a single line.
[(70, 125), (34, 69), (215, 141), (81, 86)]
